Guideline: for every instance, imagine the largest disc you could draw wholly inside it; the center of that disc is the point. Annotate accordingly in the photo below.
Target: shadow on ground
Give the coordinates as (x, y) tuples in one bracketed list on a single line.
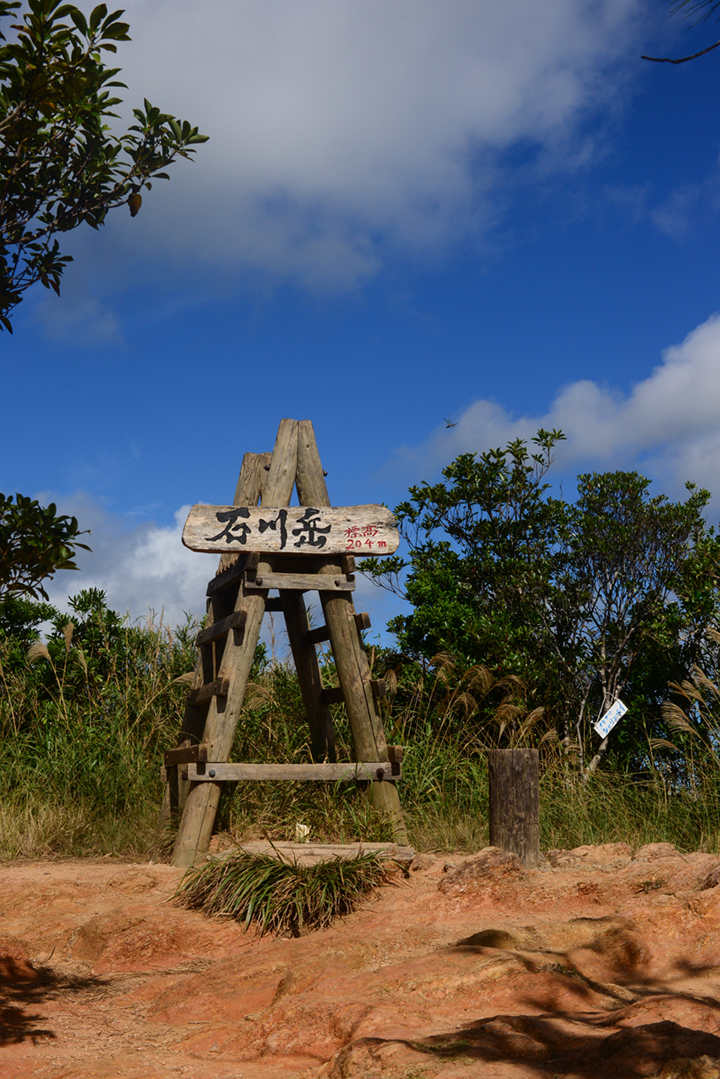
[(593, 1011), (23, 990)]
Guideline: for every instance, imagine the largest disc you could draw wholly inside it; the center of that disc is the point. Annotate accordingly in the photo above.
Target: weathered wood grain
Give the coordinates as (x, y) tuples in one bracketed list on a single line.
[(375, 771), (515, 802), (306, 530), (301, 582), (236, 620), (193, 837), (186, 755), (226, 578), (218, 688), (248, 491), (350, 657), (311, 853)]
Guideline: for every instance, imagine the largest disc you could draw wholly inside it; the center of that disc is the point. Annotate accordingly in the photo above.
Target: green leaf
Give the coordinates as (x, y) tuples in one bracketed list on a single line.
[(97, 16), (79, 19), (63, 166)]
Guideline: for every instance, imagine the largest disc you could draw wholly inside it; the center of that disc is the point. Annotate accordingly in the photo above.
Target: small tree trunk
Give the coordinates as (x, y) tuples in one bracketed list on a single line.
[(515, 802)]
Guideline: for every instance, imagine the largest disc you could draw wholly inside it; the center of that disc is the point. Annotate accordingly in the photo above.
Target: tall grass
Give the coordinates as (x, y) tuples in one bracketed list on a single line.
[(279, 896), (83, 729), (84, 720)]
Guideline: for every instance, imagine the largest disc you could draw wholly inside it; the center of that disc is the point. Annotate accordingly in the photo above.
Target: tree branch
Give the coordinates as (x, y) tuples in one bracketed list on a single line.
[(682, 59)]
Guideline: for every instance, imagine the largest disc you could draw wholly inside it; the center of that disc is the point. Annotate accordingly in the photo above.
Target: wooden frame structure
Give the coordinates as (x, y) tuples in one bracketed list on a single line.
[(237, 600)]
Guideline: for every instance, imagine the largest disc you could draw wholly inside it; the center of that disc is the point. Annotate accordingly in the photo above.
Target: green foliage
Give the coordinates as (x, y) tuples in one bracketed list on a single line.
[(580, 603), (83, 728), (636, 592), (481, 555), (34, 542), (59, 161), (84, 721), (279, 896)]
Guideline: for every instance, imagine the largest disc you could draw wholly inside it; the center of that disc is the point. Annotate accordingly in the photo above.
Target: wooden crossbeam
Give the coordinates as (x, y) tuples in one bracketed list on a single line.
[(185, 755), (218, 688), (236, 620), (335, 695), (375, 771), (301, 582), (226, 579)]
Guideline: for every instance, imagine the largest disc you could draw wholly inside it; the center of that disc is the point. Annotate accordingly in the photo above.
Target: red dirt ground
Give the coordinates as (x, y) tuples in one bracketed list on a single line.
[(602, 963)]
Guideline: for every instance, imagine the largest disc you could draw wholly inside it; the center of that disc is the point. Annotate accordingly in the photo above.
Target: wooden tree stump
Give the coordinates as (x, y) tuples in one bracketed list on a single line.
[(515, 802)]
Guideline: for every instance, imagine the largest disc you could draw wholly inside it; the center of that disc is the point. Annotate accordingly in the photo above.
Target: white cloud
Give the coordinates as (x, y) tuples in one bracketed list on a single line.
[(667, 425), (142, 569), (336, 122), (147, 569)]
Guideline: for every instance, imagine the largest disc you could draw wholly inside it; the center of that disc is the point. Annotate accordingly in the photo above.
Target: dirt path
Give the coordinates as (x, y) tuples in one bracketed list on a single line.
[(599, 964)]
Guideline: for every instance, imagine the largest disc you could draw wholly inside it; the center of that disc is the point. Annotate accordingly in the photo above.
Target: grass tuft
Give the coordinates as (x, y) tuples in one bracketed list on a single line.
[(282, 897)]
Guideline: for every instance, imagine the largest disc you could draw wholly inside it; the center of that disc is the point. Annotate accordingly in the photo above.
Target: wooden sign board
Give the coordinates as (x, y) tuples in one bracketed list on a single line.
[(360, 530)]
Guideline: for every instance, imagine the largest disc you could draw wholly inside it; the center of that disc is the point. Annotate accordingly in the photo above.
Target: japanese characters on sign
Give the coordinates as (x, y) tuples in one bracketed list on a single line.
[(364, 538), (611, 717), (368, 530)]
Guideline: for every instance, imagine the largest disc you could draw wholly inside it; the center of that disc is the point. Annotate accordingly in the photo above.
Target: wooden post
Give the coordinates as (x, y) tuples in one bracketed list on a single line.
[(322, 732), (350, 658), (247, 493), (515, 802), (195, 829)]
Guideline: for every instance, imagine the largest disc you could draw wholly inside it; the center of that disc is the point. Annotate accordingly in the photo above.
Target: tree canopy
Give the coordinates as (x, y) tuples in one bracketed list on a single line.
[(61, 165), (583, 602), (35, 542)]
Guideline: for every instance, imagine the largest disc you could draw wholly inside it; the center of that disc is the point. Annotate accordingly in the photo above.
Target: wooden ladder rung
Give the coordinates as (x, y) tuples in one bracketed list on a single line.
[(302, 582), (186, 755), (215, 771), (333, 695), (218, 688), (226, 579), (219, 629)]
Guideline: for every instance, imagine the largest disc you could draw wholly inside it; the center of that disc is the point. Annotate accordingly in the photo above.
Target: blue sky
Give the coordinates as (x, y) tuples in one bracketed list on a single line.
[(407, 211)]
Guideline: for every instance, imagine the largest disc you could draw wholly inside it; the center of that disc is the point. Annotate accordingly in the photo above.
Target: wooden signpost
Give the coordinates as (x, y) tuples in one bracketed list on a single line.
[(267, 544), (515, 802), (292, 529)]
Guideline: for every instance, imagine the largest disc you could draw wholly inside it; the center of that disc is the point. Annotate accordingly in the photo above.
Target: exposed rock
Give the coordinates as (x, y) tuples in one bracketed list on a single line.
[(602, 854), (15, 965), (651, 852), (711, 880), (558, 858), (578, 971), (490, 863), (422, 861)]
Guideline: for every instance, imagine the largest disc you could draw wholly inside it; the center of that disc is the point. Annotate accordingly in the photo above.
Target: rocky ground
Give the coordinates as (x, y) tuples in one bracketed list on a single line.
[(603, 962)]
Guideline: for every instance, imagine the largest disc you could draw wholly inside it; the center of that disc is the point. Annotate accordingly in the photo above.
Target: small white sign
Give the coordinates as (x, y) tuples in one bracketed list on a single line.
[(611, 717)]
